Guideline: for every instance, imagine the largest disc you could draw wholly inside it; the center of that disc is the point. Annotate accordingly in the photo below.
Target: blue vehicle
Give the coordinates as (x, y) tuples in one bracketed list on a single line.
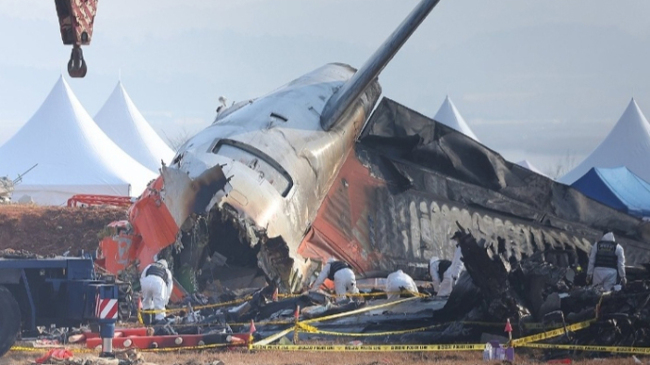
[(60, 291)]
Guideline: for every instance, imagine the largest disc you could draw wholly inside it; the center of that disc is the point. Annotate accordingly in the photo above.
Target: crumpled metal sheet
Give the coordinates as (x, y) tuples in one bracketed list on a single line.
[(400, 192)]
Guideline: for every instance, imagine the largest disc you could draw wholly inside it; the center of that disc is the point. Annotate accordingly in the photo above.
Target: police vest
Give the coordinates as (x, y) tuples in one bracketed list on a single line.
[(606, 254), (336, 266), (158, 270)]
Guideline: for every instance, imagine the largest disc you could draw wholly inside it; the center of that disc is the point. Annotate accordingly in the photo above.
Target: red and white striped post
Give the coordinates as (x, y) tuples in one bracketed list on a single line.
[(106, 308)]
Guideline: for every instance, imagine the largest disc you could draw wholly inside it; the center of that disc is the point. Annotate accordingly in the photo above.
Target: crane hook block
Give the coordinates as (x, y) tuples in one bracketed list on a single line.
[(76, 18)]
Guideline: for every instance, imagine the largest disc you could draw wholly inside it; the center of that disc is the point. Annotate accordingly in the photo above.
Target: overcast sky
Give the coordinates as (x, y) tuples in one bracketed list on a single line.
[(543, 80)]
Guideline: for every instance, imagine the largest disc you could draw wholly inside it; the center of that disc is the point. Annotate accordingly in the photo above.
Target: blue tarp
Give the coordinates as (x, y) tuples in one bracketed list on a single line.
[(618, 188)]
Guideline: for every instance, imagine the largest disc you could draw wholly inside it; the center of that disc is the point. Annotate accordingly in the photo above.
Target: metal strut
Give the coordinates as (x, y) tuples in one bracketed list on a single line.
[(77, 64)]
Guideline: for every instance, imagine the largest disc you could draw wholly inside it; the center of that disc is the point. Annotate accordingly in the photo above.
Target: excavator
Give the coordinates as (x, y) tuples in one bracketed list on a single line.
[(76, 19)]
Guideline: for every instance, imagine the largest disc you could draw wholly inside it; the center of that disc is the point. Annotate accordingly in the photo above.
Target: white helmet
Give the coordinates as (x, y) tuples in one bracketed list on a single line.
[(163, 262)]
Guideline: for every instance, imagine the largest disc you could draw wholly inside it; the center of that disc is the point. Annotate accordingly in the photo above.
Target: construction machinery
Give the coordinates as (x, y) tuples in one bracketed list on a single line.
[(60, 291)]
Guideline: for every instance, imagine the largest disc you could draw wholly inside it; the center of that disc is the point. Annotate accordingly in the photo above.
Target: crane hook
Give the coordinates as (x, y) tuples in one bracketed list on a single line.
[(77, 64)]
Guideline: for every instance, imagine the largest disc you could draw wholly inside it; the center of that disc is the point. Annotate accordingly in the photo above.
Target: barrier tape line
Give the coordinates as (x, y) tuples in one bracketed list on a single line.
[(239, 301), (370, 348), (199, 347), (198, 307), (46, 349), (274, 337), (550, 334), (357, 311), (611, 349), (369, 334)]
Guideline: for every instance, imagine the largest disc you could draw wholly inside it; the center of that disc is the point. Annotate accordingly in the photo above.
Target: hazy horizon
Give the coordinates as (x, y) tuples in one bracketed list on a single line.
[(538, 80)]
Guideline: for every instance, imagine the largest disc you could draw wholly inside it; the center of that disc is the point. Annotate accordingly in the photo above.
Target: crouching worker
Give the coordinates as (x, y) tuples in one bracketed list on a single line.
[(156, 283), (448, 271), (606, 263), (399, 282), (341, 274)]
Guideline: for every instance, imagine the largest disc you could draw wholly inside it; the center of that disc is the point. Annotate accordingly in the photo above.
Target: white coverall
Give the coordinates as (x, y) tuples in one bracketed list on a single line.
[(445, 286), (606, 276), (397, 281), (155, 293), (434, 263), (344, 280), (452, 273)]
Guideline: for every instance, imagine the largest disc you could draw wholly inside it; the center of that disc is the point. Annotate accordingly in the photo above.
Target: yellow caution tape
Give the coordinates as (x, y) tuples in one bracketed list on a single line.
[(46, 349), (200, 347), (357, 311), (303, 327), (239, 301), (199, 307), (370, 334), (370, 348), (274, 337), (611, 349), (550, 334)]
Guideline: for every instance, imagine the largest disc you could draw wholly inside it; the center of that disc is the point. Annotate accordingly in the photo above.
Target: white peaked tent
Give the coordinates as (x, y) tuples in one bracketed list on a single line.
[(628, 144), (531, 167), (449, 115), (125, 125), (73, 155)]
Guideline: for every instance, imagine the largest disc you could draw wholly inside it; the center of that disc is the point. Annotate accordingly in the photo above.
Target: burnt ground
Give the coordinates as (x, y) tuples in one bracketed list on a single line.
[(54, 230)]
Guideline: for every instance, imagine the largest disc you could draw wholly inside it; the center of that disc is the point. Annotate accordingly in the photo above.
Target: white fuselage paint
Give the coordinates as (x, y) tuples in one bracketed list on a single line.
[(285, 126)]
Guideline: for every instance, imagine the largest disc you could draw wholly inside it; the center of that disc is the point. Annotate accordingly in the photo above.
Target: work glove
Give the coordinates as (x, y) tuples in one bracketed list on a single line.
[(589, 279), (623, 281)]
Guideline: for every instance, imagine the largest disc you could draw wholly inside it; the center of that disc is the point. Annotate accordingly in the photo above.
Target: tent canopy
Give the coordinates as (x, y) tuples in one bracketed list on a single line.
[(124, 124), (73, 155), (628, 144), (618, 188), (449, 115)]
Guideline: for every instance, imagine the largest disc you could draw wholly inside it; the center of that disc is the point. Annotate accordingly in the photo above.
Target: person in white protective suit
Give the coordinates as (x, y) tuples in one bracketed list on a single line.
[(606, 263), (341, 274), (444, 283), (157, 283), (398, 282)]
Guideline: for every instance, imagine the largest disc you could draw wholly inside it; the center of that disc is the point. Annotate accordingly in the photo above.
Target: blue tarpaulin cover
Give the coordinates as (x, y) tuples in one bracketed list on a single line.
[(618, 188)]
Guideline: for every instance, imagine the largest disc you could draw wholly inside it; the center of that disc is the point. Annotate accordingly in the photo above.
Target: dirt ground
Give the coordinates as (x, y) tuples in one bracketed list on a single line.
[(321, 358), (54, 230)]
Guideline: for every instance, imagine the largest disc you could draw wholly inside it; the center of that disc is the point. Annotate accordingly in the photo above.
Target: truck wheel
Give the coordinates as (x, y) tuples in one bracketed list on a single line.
[(9, 320)]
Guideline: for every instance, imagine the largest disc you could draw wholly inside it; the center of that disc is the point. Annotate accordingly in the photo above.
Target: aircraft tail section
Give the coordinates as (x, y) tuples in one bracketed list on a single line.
[(341, 101)]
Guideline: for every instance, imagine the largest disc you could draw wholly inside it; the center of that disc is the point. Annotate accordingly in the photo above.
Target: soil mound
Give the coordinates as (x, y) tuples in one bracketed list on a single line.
[(54, 230)]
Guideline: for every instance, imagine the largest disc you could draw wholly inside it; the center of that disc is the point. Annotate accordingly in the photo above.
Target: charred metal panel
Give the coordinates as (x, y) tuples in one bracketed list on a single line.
[(409, 180)]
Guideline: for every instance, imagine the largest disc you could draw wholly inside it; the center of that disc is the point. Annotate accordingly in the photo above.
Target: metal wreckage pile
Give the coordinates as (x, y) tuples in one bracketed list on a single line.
[(409, 183), (405, 187)]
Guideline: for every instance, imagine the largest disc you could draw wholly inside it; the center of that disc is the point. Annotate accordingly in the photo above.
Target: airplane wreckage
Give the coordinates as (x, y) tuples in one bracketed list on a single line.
[(322, 168)]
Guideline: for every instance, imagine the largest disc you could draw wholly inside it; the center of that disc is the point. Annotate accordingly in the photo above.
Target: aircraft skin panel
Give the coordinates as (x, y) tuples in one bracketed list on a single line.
[(393, 206), (278, 161)]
